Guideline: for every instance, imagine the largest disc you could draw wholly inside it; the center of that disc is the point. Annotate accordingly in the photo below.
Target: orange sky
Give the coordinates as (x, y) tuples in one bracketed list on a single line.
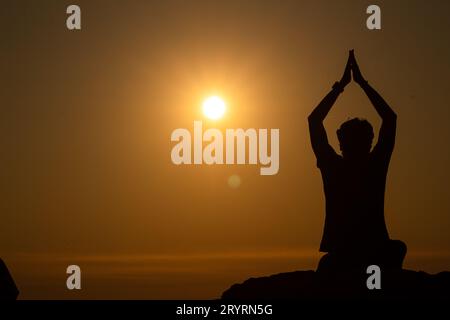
[(88, 115)]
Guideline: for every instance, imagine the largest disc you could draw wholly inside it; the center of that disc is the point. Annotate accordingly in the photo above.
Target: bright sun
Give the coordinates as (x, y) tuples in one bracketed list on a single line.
[(214, 107)]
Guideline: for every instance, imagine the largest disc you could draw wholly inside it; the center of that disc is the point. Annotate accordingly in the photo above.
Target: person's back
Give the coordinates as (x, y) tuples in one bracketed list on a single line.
[(354, 194), (354, 183)]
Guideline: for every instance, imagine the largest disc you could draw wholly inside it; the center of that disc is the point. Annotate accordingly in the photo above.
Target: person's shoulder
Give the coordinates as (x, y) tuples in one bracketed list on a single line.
[(332, 160), (376, 160)]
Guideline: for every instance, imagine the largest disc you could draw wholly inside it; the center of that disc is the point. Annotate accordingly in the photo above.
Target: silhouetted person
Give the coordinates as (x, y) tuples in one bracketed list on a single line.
[(354, 183)]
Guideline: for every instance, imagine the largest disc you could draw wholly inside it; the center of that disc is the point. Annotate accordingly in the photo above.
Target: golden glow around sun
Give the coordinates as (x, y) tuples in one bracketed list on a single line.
[(214, 107)]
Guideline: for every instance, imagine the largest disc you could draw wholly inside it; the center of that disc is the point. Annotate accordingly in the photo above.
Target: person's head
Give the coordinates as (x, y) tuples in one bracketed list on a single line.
[(355, 137)]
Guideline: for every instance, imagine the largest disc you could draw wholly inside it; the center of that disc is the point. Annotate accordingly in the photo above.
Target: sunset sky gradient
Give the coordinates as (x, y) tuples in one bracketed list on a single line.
[(87, 116)]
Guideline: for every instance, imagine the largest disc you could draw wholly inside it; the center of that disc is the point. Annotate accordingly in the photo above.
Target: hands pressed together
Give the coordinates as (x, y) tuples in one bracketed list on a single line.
[(351, 68)]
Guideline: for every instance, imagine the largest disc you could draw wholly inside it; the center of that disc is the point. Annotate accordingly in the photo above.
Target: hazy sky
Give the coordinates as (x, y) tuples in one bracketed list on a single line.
[(85, 132)]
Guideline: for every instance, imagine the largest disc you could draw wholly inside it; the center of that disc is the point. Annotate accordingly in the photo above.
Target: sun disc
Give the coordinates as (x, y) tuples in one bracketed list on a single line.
[(214, 107)]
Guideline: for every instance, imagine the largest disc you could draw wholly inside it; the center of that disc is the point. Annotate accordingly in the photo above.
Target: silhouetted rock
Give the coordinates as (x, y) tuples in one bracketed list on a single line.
[(315, 285), (8, 289)]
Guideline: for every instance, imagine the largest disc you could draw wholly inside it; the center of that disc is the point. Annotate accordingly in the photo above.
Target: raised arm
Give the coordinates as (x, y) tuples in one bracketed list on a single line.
[(318, 135), (386, 139)]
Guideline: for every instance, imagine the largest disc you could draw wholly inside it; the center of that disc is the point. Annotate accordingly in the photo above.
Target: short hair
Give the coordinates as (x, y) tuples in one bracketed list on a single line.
[(355, 136)]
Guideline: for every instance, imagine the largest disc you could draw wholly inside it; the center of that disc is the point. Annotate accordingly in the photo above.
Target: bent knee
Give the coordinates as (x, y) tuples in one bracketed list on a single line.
[(399, 246)]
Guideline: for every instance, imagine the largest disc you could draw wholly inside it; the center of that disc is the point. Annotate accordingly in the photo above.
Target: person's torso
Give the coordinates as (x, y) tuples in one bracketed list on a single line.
[(354, 193)]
